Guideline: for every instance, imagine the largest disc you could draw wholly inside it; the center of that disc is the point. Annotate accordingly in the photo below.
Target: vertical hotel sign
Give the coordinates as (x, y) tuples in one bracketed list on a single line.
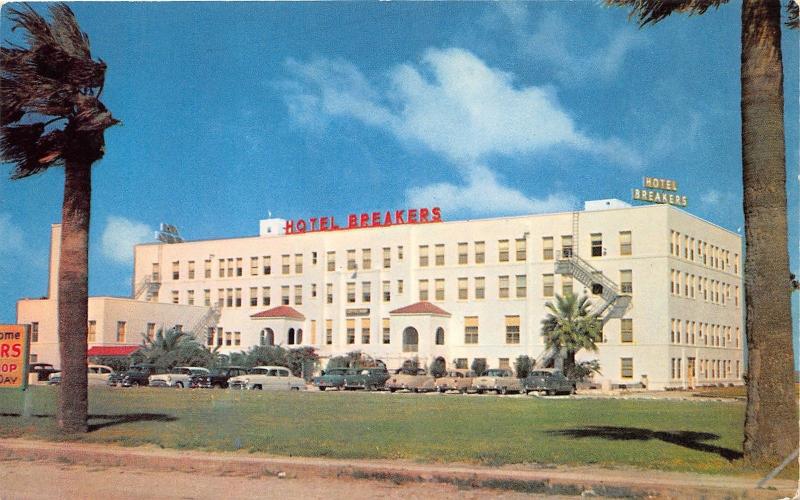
[(14, 344), (660, 191)]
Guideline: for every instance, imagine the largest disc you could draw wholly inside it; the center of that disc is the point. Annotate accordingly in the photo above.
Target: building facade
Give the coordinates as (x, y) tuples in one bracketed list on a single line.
[(669, 286)]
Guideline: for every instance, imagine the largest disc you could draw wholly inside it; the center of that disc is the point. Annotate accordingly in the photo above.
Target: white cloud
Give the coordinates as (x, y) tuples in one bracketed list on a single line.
[(10, 235), (119, 236)]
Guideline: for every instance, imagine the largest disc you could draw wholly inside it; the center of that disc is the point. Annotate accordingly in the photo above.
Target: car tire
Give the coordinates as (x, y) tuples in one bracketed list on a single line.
[(134, 384), (322, 388), (216, 386), (392, 389), (294, 389), (258, 387), (551, 393), (179, 385), (503, 391)]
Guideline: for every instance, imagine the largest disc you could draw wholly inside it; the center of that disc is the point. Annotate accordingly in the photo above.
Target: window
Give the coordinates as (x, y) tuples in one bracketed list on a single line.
[(480, 288), (439, 289), (387, 257), (220, 297), (298, 263), (219, 336), (440, 336), (626, 281), (285, 266), (191, 269), (328, 331), (480, 252), (502, 251), (207, 268), (423, 289), (512, 329), (502, 284), (736, 271), (265, 296), (230, 271), (439, 254), (351, 259), (175, 297), (35, 331), (463, 256), (266, 262), (207, 297), (471, 330), (503, 363), (400, 252), (238, 293), (566, 285), (285, 295), (156, 274), (351, 293), (624, 242), (522, 286), (176, 270), (400, 287), (366, 258), (522, 249), (298, 295), (366, 291), (331, 261), (547, 285), (386, 287), (313, 290), (313, 331), (410, 339), (221, 268), (253, 296), (463, 293), (597, 244), (461, 363), (547, 248), (351, 331), (228, 338), (365, 331), (190, 297), (239, 265), (423, 255), (566, 246), (387, 332), (121, 328), (91, 337), (626, 329), (237, 338), (626, 367), (691, 249), (329, 293)]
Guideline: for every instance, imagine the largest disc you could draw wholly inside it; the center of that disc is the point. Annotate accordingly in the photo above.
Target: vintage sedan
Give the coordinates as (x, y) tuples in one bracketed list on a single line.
[(216, 378), (96, 375), (178, 377), (417, 381), (499, 380), (455, 380), (366, 378), (550, 382), (42, 371), (268, 378), (332, 379), (136, 375)]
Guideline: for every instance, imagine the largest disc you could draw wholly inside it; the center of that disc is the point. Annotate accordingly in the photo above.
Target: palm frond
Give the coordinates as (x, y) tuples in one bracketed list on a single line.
[(793, 12), (653, 11), (30, 149)]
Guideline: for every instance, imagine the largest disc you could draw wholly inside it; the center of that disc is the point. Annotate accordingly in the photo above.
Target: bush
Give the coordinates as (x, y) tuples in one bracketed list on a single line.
[(261, 355), (478, 366), (583, 370), (410, 366), (301, 361), (353, 359), (523, 365), (116, 363), (438, 368)]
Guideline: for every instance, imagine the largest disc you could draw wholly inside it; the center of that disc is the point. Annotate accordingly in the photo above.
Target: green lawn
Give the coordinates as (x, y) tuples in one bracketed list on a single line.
[(702, 436)]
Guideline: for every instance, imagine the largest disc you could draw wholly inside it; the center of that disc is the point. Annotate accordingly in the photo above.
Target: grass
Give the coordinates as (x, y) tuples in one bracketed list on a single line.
[(700, 436)]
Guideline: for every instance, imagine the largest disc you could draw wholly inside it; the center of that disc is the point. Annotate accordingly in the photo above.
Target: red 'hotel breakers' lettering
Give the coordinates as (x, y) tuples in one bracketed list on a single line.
[(367, 219)]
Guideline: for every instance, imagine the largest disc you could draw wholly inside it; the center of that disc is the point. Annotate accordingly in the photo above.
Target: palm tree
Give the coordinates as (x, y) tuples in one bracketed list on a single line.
[(52, 116), (173, 348), (770, 429), (570, 326)]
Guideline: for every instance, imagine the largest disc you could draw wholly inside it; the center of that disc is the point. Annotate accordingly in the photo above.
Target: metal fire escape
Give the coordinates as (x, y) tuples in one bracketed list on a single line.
[(210, 319), (614, 302), (148, 287)]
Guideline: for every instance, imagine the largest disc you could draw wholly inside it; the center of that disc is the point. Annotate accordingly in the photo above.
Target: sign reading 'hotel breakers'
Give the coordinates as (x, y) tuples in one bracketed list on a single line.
[(367, 219), (656, 194)]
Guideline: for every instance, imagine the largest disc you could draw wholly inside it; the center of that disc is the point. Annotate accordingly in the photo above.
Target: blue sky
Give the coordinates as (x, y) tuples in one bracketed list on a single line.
[(231, 110)]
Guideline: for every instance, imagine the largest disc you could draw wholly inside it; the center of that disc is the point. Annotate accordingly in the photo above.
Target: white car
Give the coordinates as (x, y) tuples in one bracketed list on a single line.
[(268, 378), (177, 377), (97, 375)]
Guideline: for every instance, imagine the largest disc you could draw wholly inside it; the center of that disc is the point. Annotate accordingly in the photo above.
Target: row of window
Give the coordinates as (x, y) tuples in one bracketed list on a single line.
[(690, 286), (709, 369), (699, 251), (705, 334)]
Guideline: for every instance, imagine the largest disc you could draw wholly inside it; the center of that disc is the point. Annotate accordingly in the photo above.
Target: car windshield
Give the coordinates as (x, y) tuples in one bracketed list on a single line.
[(337, 371), (496, 373), (259, 371), (198, 371)]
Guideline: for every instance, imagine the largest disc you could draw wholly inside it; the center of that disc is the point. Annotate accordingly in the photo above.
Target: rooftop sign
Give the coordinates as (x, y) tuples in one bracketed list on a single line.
[(364, 220), (655, 192)]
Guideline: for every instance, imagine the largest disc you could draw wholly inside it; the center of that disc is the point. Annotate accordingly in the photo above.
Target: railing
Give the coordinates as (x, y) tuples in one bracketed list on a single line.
[(148, 285)]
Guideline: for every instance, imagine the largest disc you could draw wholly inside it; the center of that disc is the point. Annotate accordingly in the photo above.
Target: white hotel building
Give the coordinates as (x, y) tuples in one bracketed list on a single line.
[(669, 285)]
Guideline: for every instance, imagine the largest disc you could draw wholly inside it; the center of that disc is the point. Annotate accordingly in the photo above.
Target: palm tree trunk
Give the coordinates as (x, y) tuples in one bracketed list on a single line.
[(73, 295), (771, 430)]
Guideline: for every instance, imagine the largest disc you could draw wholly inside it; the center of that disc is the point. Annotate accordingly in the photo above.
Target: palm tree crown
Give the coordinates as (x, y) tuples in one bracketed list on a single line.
[(570, 325)]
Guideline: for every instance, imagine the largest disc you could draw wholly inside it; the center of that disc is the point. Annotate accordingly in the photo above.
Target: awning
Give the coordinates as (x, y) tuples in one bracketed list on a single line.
[(112, 350)]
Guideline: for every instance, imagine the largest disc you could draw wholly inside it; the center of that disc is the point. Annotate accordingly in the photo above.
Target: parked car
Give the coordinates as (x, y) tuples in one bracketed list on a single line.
[(548, 381), (455, 380), (96, 374), (268, 378), (499, 380), (179, 377), (332, 379), (42, 371), (216, 378), (419, 381), (366, 378), (138, 375)]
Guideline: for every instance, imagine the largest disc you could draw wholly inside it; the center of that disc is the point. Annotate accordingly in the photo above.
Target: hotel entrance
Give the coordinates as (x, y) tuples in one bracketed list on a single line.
[(690, 372)]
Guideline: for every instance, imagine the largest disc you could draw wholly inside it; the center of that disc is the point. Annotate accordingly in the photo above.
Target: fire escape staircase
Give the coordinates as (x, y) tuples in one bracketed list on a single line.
[(148, 287), (200, 329)]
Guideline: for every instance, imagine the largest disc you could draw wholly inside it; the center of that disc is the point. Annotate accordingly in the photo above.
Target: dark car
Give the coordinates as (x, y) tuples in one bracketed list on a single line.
[(333, 378), (218, 378), (366, 378), (550, 382), (138, 375), (42, 371)]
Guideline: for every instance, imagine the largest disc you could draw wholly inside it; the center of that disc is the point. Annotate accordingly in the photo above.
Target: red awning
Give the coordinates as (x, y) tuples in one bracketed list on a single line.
[(112, 350)]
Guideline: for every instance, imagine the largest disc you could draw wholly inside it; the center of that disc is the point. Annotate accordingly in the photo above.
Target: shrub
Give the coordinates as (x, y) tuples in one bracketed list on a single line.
[(583, 370), (438, 368), (410, 366), (523, 366), (478, 366), (301, 361)]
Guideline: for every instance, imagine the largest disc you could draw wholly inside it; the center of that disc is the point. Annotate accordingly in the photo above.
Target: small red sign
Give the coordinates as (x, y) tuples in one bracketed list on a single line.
[(364, 220)]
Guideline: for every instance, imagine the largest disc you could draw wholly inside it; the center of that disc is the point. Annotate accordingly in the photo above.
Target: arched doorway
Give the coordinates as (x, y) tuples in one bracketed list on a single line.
[(410, 339), (299, 338), (267, 337), (290, 336), (440, 336)]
